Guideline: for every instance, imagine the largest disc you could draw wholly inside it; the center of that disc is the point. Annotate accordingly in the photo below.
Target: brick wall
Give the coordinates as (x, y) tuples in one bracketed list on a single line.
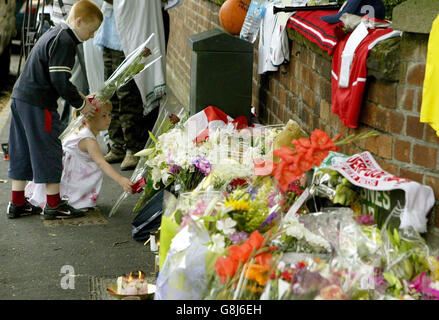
[(302, 91), (192, 17)]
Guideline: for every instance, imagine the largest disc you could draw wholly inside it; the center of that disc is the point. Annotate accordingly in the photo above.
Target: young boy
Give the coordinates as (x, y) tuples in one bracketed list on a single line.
[(34, 147)]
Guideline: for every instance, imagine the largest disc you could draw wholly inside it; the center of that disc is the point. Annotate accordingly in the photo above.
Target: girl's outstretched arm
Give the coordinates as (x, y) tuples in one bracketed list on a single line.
[(92, 147)]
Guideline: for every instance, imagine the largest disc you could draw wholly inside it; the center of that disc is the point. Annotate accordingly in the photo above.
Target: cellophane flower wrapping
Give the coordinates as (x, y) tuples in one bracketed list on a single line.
[(183, 268), (169, 116), (137, 61)]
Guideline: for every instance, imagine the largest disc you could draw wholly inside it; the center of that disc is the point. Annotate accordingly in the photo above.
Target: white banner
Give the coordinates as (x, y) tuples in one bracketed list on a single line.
[(363, 171)]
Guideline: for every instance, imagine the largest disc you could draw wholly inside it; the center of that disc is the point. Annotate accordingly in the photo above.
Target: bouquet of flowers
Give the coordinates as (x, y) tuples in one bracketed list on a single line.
[(168, 118), (137, 61)]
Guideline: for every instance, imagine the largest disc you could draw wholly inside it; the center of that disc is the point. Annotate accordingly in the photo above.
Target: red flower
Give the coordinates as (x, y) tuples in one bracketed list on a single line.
[(285, 154), (241, 252), (225, 267), (255, 240), (306, 154), (264, 259), (287, 276)]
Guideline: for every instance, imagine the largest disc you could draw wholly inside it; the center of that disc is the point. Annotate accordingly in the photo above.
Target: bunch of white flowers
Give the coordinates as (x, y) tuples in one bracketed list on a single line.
[(295, 229)]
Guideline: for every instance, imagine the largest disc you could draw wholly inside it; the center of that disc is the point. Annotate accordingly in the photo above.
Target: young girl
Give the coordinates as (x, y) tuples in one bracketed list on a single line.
[(83, 164)]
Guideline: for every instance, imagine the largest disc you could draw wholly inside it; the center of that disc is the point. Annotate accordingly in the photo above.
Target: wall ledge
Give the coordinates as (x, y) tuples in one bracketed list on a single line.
[(415, 15), (383, 62)]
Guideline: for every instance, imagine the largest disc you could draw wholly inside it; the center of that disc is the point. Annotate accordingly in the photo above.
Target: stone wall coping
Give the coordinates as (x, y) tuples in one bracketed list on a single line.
[(415, 15)]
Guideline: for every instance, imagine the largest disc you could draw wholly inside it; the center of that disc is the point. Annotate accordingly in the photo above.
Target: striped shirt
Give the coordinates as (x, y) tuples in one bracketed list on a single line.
[(47, 71)]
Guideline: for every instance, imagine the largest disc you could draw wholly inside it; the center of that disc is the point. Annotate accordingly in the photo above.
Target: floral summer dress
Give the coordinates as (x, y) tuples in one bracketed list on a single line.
[(81, 179)]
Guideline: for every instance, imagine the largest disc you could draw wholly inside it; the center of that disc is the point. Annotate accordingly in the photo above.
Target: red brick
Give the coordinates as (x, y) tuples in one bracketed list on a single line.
[(388, 167), (430, 134), (408, 174), (374, 116), (325, 110), (414, 128), (382, 93), (308, 97), (402, 150), (293, 104), (433, 182), (396, 122), (415, 74), (419, 101), (384, 146), (324, 89), (323, 67), (406, 98), (282, 95), (294, 86), (424, 156)]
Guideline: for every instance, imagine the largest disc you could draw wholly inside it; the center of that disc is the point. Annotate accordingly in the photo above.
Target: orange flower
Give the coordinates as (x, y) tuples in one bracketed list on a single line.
[(257, 273), (225, 267)]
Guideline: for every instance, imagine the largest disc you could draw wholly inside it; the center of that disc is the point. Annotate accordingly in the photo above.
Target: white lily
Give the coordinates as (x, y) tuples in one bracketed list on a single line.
[(218, 243), (144, 152), (226, 226)]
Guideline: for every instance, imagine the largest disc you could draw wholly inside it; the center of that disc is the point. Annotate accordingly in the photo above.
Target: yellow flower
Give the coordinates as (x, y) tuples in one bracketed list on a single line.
[(239, 205), (433, 265)]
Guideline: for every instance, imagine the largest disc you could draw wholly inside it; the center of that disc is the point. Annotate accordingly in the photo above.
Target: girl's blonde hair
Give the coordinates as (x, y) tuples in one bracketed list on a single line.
[(85, 9), (106, 106)]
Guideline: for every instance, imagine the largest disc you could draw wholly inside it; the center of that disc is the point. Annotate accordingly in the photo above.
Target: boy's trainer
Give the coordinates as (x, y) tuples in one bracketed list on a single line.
[(26, 209), (62, 211)]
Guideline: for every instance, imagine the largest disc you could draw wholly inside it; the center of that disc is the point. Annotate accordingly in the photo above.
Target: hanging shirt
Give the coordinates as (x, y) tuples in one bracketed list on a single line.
[(81, 180), (430, 94), (347, 101), (107, 35), (273, 42)]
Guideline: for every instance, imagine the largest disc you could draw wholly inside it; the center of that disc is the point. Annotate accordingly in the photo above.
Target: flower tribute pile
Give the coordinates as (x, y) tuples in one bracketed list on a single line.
[(253, 216)]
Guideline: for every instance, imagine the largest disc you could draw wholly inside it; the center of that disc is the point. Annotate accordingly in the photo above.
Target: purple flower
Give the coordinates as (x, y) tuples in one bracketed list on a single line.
[(253, 192), (238, 237), (202, 165), (174, 169), (269, 219)]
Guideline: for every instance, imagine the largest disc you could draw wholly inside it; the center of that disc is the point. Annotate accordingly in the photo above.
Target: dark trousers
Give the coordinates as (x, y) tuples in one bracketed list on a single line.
[(129, 127)]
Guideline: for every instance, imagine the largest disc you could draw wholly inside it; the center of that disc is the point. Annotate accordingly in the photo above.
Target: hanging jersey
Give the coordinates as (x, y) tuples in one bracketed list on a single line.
[(309, 24), (347, 101)]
